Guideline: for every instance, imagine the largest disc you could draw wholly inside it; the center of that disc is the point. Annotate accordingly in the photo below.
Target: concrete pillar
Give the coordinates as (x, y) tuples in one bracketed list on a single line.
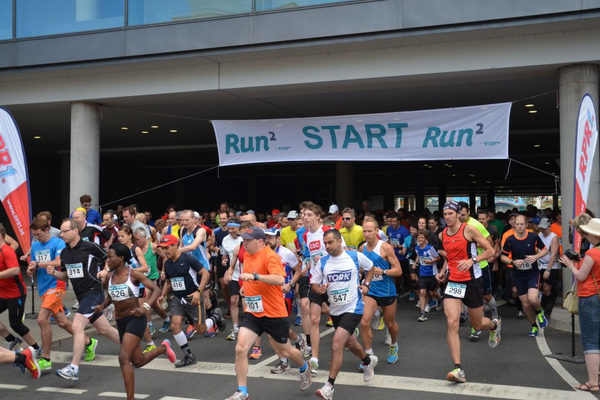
[(85, 153), (574, 82), (441, 196), (344, 184), (491, 199)]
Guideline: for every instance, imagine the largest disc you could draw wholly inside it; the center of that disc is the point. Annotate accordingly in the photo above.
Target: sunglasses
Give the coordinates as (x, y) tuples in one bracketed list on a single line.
[(347, 218)]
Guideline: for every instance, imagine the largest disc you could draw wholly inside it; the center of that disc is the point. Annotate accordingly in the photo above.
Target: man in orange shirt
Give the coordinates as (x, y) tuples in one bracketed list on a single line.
[(265, 311)]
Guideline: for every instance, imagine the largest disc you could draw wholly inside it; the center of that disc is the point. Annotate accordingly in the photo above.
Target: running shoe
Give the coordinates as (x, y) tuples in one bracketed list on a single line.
[(433, 304), (463, 317), (67, 312), (424, 317), (151, 329), (534, 331), (38, 352), (233, 334), (166, 326), (238, 395), (169, 353), (31, 363), (326, 392), (369, 370), (474, 336), (314, 366), (149, 347), (190, 332), (14, 344), (305, 379), (188, 359), (307, 351), (217, 315), (90, 350), (412, 296), (495, 335), (541, 319), (418, 304), (392, 357), (256, 353), (75, 305), (427, 308), (301, 343), (45, 365), (298, 320), (381, 325), (212, 332), (456, 375), (520, 315), (356, 333), (329, 322), (281, 366), (69, 373)]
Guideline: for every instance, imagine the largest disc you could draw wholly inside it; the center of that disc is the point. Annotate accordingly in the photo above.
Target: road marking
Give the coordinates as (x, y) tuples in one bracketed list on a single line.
[(123, 395), (177, 398), (557, 366), (61, 390), (12, 387), (355, 379), (269, 360)]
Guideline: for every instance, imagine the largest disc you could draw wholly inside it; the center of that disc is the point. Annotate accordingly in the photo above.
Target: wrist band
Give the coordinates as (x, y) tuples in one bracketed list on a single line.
[(146, 306)]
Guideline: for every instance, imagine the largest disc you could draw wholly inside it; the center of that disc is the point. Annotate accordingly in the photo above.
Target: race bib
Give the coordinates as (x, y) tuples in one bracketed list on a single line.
[(42, 256), (339, 297), (377, 278), (456, 289), (254, 304), (394, 242), (178, 284), (524, 267), (74, 270), (118, 292)]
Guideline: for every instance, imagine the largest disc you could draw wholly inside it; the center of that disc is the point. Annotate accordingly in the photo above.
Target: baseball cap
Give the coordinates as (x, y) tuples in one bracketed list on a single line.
[(333, 209), (536, 220), (168, 240), (452, 205), (272, 232), (196, 214), (253, 233), (275, 211), (251, 212), (292, 214), (544, 223)]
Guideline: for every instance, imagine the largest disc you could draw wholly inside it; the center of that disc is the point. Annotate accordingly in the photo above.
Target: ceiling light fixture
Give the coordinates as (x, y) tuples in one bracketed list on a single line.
[(124, 128), (537, 145), (173, 131), (529, 105), (154, 126), (532, 111), (37, 137), (144, 132)]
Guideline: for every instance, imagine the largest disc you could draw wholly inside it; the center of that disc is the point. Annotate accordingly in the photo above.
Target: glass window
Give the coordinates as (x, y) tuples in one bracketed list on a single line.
[(266, 5), (43, 17), (6, 19), (505, 203), (155, 11)]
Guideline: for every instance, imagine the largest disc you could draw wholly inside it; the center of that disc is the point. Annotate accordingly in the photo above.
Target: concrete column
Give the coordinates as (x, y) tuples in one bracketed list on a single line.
[(85, 153), (491, 202), (574, 82), (344, 184), (441, 196)]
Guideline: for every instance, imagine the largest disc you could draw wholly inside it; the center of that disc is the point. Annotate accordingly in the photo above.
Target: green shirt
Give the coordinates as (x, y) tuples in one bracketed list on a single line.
[(473, 222)]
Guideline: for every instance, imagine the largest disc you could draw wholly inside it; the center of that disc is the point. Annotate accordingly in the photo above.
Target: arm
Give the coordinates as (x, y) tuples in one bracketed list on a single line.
[(474, 235), (142, 260), (388, 254), (107, 299), (11, 242), (583, 272), (10, 272), (198, 240), (554, 245), (165, 289), (143, 279)]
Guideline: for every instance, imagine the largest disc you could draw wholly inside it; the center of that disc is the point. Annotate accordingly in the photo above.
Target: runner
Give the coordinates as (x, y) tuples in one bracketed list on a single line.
[(352, 233), (549, 267), (337, 276), (88, 232), (522, 250), (13, 293), (230, 243), (464, 286), (45, 252), (80, 262), (397, 234), (427, 258), (217, 254), (263, 277), (187, 277), (382, 291), (123, 289)]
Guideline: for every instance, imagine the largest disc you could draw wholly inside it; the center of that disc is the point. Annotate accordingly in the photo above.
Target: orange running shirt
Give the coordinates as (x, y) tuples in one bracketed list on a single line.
[(264, 300)]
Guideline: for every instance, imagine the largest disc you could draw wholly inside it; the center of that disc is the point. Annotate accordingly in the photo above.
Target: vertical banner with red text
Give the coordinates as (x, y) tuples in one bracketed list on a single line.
[(585, 147), (14, 182)]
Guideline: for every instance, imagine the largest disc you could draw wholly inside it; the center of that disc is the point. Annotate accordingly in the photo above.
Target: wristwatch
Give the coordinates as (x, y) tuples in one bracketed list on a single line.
[(474, 260), (383, 272), (255, 276)]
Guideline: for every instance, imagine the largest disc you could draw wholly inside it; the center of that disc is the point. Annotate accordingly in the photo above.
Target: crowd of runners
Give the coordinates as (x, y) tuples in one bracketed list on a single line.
[(279, 274)]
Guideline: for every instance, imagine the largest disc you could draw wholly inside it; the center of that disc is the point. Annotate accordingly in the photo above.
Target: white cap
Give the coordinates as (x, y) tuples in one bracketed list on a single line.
[(196, 214), (292, 214), (333, 209)]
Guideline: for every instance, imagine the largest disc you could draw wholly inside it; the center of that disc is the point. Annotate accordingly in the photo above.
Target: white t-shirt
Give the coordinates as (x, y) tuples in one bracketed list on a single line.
[(544, 261), (229, 244), (341, 274), (287, 257)]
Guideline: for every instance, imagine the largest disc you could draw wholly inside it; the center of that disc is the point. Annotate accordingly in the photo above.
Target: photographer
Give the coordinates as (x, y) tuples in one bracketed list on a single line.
[(587, 272)]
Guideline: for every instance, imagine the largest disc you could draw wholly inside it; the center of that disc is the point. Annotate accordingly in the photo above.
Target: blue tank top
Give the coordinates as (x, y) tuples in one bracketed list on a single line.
[(188, 238), (381, 285)]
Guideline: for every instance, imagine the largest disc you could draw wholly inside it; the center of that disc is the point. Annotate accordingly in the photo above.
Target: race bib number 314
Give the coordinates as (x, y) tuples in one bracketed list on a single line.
[(74, 270)]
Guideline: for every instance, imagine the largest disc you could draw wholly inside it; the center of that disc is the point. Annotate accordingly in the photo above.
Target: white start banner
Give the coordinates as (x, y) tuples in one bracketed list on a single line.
[(477, 132)]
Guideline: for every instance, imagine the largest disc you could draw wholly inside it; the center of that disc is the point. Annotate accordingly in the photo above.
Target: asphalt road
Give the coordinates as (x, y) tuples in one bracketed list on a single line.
[(516, 369)]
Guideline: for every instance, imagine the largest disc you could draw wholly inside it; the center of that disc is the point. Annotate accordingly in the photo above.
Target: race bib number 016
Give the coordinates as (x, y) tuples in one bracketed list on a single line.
[(254, 304), (456, 290), (74, 270)]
